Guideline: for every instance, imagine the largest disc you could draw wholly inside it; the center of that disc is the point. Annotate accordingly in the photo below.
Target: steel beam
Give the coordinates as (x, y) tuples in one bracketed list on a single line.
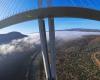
[(44, 48), (52, 47), (59, 12)]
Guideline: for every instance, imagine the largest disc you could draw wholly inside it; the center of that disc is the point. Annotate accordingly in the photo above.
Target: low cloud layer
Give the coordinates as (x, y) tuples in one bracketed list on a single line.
[(28, 43), (20, 45)]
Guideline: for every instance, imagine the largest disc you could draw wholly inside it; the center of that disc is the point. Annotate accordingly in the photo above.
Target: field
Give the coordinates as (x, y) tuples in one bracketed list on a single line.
[(78, 59)]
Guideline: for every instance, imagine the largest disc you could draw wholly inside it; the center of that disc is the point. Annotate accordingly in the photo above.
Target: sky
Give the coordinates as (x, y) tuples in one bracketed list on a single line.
[(11, 7)]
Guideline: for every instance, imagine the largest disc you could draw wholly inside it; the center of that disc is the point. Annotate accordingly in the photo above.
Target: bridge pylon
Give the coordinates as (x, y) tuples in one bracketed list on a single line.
[(49, 64)]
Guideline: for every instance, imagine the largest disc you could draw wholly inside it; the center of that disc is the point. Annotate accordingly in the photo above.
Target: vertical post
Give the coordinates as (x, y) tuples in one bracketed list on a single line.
[(52, 43), (44, 48), (44, 45), (52, 47)]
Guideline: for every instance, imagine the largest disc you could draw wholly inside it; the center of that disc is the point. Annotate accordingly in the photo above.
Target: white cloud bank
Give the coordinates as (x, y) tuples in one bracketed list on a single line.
[(28, 43)]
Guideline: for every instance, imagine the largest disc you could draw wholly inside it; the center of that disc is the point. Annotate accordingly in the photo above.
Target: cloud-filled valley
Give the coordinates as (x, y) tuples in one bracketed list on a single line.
[(29, 42), (14, 55)]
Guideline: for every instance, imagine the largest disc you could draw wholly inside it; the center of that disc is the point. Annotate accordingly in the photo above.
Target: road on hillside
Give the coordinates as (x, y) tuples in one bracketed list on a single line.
[(95, 60)]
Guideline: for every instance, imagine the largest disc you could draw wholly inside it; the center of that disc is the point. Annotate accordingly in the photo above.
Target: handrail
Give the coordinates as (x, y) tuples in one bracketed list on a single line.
[(74, 12)]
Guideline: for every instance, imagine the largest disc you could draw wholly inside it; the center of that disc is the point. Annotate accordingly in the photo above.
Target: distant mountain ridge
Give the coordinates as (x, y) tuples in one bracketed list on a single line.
[(84, 30), (81, 29), (6, 38)]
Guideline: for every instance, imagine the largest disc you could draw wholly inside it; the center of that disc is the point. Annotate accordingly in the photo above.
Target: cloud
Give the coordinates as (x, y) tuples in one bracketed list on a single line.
[(30, 42), (20, 45)]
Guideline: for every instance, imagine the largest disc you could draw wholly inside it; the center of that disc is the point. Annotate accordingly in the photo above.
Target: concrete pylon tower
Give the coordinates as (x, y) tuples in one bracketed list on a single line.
[(52, 43), (44, 45), (50, 66)]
